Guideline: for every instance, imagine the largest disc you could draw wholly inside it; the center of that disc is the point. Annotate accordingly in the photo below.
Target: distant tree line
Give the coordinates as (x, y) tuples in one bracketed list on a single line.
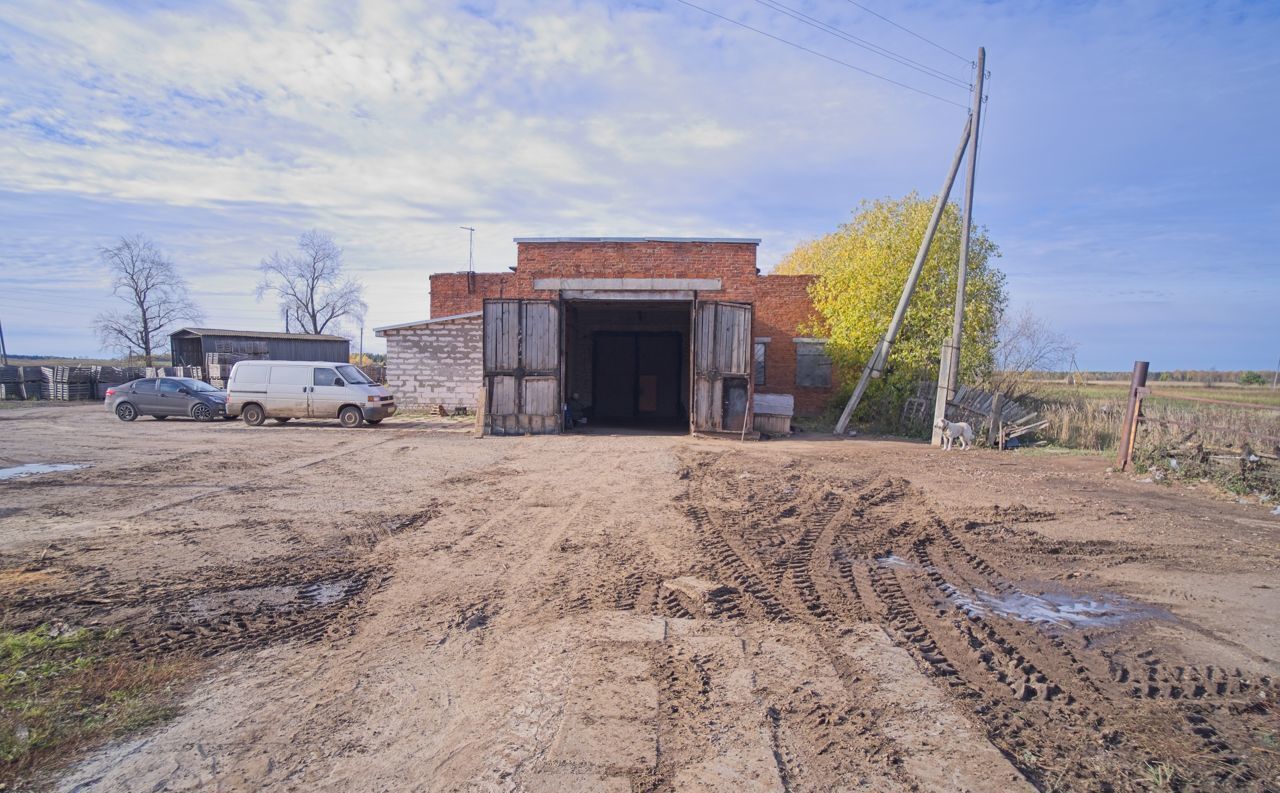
[(1208, 377)]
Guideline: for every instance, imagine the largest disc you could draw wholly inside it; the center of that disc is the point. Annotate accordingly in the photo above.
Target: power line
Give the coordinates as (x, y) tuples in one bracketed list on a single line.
[(824, 56), (813, 22), (910, 31)]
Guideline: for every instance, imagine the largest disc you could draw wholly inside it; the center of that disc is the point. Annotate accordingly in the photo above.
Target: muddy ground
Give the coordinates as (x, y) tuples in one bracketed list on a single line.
[(410, 608)]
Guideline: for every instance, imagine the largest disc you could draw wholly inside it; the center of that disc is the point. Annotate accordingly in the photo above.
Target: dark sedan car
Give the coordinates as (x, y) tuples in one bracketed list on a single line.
[(162, 397)]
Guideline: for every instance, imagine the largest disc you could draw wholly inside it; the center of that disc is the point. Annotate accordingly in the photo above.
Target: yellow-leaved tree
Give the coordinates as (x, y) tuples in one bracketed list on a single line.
[(862, 268)]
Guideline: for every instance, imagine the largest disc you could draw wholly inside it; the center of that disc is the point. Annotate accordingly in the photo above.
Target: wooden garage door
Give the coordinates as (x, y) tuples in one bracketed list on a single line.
[(722, 367), (522, 367)]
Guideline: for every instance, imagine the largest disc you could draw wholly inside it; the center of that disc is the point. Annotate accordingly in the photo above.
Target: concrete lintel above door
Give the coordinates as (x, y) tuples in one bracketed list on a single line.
[(629, 284), (610, 294)]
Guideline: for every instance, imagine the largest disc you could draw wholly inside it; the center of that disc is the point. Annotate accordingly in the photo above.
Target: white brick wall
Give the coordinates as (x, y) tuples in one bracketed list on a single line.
[(440, 363)]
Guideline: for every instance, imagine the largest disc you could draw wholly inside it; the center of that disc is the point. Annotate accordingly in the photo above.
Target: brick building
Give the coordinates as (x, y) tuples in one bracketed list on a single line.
[(641, 330)]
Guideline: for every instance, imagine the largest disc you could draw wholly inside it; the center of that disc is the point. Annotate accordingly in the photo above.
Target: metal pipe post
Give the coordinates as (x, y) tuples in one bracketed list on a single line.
[(1129, 434)]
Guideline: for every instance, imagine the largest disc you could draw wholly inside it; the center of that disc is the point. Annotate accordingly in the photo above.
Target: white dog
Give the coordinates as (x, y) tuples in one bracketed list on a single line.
[(955, 431)]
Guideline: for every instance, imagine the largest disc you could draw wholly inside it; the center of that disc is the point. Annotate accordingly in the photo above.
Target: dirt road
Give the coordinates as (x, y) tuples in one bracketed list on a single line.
[(410, 608)]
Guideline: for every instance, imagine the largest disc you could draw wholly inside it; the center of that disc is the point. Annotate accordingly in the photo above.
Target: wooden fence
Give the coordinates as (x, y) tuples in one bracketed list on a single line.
[(989, 413)]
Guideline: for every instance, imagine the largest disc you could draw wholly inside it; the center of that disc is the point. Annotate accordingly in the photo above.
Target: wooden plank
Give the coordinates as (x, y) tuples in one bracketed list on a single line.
[(772, 424), (993, 428), (502, 395), (1013, 432), (704, 345), (500, 335), (540, 396), (541, 335)]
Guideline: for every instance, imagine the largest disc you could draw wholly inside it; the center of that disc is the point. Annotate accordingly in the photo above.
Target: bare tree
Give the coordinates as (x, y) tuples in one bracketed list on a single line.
[(156, 295), (1026, 345), (314, 294)]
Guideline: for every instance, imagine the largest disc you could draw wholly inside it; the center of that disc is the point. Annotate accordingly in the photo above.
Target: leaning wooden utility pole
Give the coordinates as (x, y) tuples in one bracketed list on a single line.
[(880, 355), (949, 363)]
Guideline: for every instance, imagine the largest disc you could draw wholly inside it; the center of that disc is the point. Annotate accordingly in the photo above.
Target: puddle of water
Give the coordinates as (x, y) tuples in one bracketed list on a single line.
[(1050, 608), (31, 469), (327, 592), (277, 598), (892, 560)]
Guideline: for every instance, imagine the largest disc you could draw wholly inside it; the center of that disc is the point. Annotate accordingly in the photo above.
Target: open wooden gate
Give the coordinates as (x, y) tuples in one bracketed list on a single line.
[(722, 367), (522, 367)]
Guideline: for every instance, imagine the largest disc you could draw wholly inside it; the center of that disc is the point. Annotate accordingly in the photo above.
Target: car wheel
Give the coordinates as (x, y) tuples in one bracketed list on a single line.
[(373, 421), (253, 415), (201, 412), (282, 420), (350, 417), (125, 411)]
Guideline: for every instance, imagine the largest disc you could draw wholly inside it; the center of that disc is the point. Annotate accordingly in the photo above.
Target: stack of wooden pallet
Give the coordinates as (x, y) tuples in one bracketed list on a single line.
[(217, 366), (13, 382), (107, 377), (66, 383), (194, 372)]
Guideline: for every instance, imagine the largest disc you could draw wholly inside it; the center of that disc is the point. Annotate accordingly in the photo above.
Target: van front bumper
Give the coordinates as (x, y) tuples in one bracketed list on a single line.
[(379, 411)]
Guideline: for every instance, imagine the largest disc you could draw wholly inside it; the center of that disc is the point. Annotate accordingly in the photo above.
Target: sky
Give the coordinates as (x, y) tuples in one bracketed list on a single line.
[(1127, 168)]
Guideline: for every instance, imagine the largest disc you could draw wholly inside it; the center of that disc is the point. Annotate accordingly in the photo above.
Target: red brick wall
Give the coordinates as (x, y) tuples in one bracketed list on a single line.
[(781, 302), (460, 293), (782, 312)]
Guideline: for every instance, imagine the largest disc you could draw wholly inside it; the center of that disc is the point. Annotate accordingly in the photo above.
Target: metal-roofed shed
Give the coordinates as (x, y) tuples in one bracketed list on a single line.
[(190, 346)]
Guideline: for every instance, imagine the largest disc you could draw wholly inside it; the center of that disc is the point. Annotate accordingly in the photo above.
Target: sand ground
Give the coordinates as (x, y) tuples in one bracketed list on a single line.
[(411, 608)]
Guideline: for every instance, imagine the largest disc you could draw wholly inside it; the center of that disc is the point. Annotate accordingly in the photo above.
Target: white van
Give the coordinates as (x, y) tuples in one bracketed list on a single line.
[(283, 390)]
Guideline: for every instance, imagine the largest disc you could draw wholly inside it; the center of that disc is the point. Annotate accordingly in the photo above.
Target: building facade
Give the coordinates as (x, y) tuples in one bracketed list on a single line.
[(626, 318)]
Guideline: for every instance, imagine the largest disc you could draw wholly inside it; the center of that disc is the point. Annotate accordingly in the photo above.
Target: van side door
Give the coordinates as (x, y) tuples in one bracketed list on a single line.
[(328, 393), (288, 391)]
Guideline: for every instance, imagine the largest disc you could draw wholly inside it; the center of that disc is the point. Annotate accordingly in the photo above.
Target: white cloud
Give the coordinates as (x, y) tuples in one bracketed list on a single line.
[(224, 129)]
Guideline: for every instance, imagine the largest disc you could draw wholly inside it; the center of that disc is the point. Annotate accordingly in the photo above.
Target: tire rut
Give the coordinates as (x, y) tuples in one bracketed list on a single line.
[(831, 553)]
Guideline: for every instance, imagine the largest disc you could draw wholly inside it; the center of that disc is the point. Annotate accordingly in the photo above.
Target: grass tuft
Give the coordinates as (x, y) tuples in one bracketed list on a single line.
[(63, 689)]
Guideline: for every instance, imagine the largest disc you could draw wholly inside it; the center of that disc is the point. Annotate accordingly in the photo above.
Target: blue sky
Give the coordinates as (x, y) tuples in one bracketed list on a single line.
[(1128, 164)]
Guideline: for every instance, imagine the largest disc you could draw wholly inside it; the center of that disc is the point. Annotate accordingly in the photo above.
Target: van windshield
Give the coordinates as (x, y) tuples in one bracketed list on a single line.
[(353, 375)]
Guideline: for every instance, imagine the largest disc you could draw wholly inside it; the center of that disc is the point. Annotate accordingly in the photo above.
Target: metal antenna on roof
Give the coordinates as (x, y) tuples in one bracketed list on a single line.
[(471, 259), (471, 252)]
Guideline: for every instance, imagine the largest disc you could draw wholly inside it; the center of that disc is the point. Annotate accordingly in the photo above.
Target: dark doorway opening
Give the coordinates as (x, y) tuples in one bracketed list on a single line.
[(627, 362), (637, 376)]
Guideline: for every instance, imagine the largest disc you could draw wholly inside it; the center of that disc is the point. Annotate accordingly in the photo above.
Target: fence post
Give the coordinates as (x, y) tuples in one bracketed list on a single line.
[(997, 409), (1137, 384)]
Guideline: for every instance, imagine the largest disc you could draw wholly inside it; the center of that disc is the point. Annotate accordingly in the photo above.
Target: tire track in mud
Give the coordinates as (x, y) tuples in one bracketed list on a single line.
[(831, 553), (227, 609), (1038, 664), (762, 597), (814, 737)]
